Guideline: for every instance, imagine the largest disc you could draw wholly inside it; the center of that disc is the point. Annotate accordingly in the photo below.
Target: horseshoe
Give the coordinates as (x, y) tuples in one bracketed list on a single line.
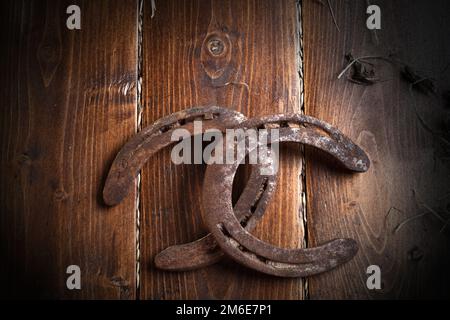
[(248, 250), (141, 147), (153, 138), (203, 252), (250, 206)]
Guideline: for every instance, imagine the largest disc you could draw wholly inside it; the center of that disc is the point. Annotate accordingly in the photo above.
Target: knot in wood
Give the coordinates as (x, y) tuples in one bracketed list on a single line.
[(215, 46)]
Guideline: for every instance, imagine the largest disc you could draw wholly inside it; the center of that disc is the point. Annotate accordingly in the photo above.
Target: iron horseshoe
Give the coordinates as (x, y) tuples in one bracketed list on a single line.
[(248, 250), (250, 206)]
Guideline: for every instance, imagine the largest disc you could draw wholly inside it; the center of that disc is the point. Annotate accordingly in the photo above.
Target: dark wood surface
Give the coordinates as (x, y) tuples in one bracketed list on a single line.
[(408, 166), (68, 103), (261, 76)]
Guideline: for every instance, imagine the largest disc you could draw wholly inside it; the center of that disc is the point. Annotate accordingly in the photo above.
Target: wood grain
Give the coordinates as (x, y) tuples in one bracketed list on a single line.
[(68, 104), (260, 75), (404, 155)]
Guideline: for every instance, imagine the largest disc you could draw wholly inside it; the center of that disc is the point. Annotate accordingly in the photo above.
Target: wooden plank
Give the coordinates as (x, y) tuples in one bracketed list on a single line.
[(261, 77), (68, 105), (381, 118)]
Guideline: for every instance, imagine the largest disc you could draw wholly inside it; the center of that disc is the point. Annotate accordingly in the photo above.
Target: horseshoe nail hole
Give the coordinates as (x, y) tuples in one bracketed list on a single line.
[(211, 116), (259, 195), (181, 122), (236, 244), (223, 230), (167, 127), (215, 46), (317, 129), (261, 258), (208, 116), (244, 220), (273, 125)]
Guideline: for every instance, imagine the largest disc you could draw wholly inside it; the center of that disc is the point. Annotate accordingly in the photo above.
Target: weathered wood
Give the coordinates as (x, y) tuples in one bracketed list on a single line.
[(68, 104), (260, 75), (382, 119)]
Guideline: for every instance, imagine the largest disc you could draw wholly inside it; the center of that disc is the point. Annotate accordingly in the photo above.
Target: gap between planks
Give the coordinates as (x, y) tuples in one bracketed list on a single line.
[(140, 22), (302, 176), (139, 110)]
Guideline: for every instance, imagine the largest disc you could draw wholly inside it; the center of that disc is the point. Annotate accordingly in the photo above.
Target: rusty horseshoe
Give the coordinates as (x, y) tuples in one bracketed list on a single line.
[(230, 226), (135, 153), (205, 251), (248, 250), (251, 205)]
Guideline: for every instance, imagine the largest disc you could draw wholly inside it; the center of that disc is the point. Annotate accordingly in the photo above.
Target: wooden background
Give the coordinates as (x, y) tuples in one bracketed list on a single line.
[(405, 157), (68, 105), (70, 99)]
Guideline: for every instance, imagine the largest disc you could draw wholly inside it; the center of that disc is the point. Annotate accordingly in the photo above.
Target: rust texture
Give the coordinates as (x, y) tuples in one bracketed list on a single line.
[(250, 206), (230, 227), (151, 139), (203, 252), (246, 249)]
